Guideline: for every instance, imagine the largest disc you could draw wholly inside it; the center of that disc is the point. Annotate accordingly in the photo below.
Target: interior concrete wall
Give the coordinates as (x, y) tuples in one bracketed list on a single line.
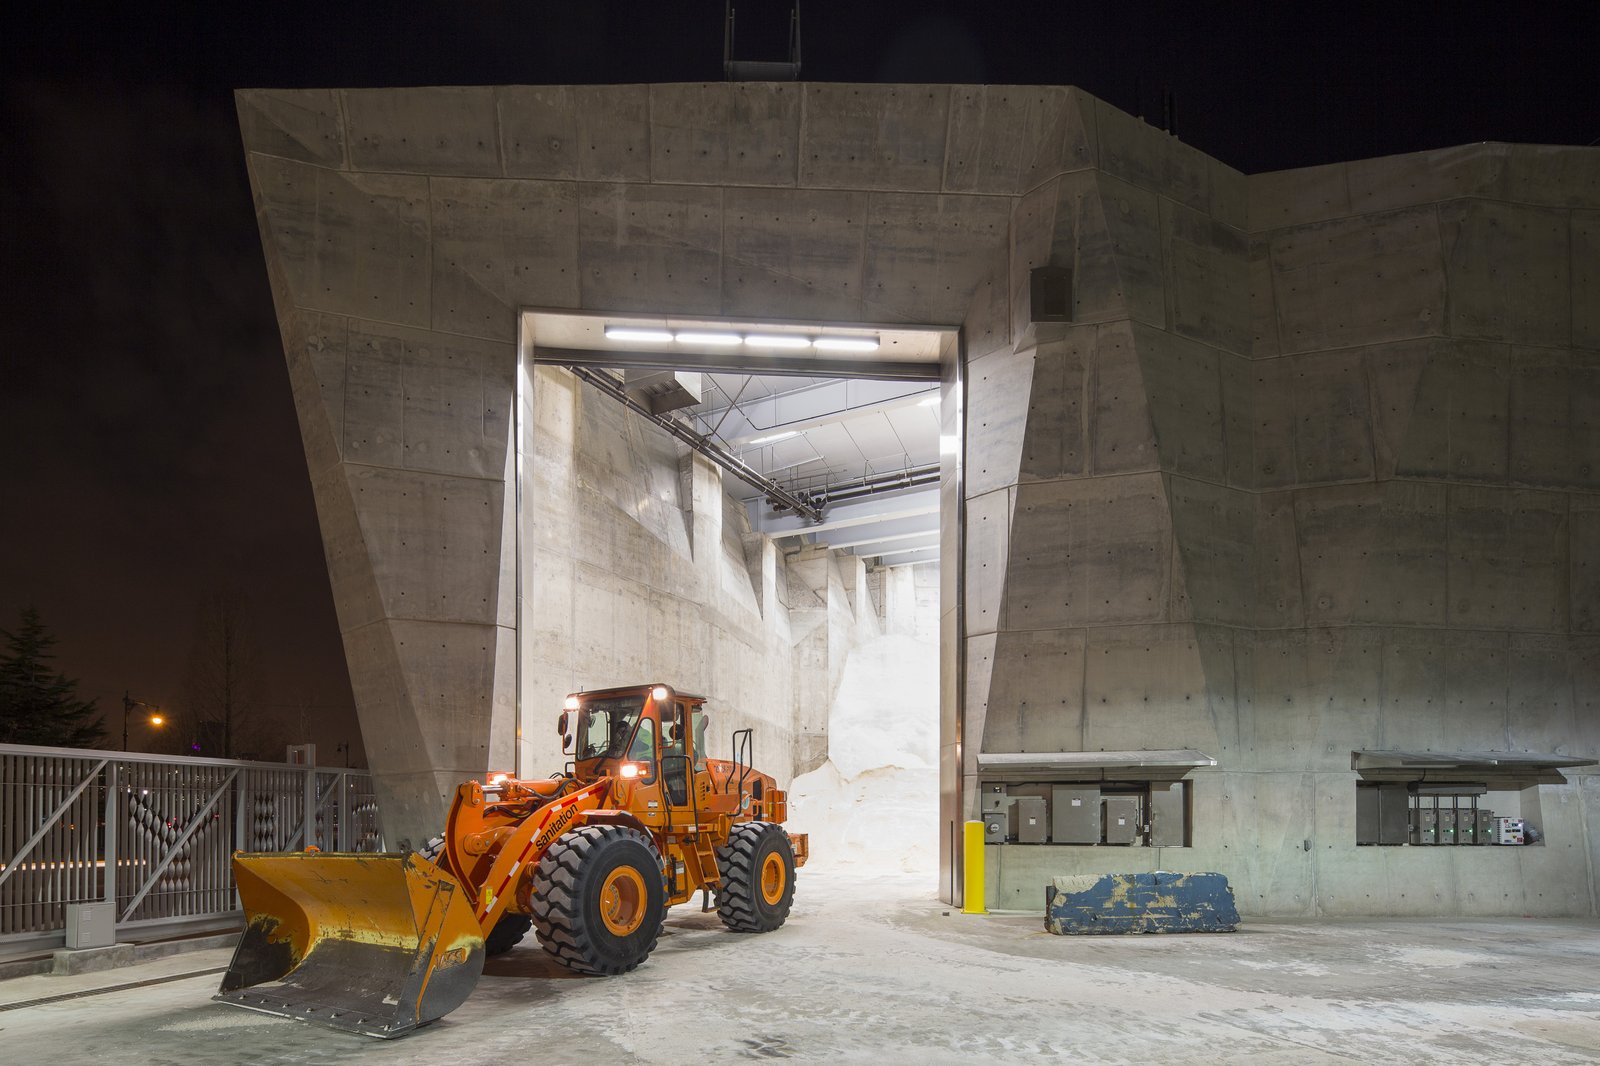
[(637, 568), (1312, 468)]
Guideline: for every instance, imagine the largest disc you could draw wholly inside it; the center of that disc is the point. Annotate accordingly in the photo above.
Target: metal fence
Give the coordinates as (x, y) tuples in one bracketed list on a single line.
[(154, 834)]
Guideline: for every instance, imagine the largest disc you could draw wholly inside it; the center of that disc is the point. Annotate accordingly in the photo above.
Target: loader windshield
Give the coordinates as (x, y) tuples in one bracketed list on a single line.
[(605, 726)]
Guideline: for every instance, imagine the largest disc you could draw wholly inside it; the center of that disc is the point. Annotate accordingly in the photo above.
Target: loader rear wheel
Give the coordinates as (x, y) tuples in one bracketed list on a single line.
[(599, 899), (757, 886)]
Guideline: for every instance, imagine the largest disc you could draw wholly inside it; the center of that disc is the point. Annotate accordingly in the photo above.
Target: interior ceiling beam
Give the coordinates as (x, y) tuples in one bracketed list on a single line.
[(886, 538), (742, 362), (780, 496), (923, 501)]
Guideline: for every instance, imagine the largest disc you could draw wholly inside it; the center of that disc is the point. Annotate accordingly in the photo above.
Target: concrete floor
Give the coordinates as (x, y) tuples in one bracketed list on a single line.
[(873, 972)]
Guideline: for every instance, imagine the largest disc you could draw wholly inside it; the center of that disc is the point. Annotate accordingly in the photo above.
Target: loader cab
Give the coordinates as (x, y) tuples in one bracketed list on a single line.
[(647, 736)]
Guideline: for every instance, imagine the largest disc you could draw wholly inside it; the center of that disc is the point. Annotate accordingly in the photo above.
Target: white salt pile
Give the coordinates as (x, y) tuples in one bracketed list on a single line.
[(874, 804)]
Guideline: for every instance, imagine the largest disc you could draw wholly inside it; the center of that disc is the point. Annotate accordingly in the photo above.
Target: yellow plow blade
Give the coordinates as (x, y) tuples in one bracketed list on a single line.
[(374, 944)]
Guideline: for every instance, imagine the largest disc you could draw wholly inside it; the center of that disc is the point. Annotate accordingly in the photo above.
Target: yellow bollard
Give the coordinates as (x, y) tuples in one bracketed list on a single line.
[(972, 895)]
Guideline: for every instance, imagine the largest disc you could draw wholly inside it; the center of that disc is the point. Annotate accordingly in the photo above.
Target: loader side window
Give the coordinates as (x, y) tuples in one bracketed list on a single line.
[(673, 736), (698, 718), (643, 748)]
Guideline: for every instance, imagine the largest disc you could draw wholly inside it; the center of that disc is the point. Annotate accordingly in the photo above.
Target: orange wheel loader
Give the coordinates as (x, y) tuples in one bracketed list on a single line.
[(590, 858)]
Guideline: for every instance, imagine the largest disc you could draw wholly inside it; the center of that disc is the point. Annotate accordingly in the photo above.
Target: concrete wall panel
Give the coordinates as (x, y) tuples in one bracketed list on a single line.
[(926, 254), (1055, 443), (1359, 281), (1121, 439), (1555, 175), (1183, 387), (1508, 559), (800, 250), (1132, 220), (988, 546), (1393, 181), (1284, 198), (1507, 268), (498, 244), (736, 133), (1585, 239), (1000, 387), (353, 244), (1035, 695), (1153, 159), (1208, 278), (1135, 673), (434, 130), (1583, 563), (1089, 552), (642, 247), (874, 136), (613, 131), (1373, 554), (1555, 418), (301, 124), (1006, 139)]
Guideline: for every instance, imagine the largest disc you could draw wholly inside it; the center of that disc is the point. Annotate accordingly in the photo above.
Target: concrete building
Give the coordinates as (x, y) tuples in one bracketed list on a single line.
[(1257, 493)]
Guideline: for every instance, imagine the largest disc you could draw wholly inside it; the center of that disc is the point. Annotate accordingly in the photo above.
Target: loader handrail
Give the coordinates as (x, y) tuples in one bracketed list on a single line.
[(743, 760)]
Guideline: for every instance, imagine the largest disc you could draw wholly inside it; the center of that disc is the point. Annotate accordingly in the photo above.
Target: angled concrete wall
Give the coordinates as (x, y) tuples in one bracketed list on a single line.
[(1311, 469), (1308, 474)]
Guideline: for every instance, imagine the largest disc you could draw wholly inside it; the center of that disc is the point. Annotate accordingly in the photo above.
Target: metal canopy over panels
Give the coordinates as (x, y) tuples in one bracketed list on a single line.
[(1166, 761), (1504, 761)]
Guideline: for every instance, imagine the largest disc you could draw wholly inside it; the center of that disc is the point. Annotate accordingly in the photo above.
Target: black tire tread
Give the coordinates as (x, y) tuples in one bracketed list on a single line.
[(557, 908), (738, 884)]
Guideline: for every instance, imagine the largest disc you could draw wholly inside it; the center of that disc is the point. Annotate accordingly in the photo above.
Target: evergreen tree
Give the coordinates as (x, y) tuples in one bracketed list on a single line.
[(38, 705)]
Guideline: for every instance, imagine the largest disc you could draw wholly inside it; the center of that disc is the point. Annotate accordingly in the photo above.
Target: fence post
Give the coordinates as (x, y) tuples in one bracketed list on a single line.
[(308, 810), (113, 773), (344, 810)]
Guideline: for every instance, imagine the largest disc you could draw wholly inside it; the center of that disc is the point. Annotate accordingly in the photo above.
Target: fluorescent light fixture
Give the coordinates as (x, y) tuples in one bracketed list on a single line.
[(728, 340), (846, 344), (774, 438), (930, 400), (643, 336), (777, 340)]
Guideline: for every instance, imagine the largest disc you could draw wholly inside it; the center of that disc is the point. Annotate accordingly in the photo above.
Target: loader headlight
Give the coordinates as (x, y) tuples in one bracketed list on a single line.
[(572, 703), (658, 693), (499, 779), (629, 769)]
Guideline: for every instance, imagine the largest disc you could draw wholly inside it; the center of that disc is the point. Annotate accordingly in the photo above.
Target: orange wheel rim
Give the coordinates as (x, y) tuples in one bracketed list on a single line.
[(774, 878), (622, 901)]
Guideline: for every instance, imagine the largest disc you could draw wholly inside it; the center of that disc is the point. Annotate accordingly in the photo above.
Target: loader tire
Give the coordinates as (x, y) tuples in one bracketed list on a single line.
[(599, 899), (506, 934), (757, 886)]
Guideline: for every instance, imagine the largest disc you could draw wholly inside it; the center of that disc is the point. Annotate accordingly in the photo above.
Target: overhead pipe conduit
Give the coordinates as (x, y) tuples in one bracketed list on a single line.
[(776, 493)]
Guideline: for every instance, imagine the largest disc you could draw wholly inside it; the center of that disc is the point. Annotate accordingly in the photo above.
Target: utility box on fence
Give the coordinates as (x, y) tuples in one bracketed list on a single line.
[(91, 925)]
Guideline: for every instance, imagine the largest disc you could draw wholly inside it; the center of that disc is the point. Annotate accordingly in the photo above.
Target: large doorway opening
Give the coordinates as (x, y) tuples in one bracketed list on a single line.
[(763, 513)]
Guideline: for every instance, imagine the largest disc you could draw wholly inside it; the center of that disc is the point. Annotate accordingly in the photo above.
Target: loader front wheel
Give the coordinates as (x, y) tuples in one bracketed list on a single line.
[(598, 899), (757, 886)]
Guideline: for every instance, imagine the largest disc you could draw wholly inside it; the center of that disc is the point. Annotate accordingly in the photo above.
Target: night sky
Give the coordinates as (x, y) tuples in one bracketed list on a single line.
[(149, 454)]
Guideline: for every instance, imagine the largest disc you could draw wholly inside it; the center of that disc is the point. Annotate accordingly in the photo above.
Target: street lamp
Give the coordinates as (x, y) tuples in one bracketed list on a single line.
[(128, 704)]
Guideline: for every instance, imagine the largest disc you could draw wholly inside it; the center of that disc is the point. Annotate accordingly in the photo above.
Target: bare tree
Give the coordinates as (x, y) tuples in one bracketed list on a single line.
[(222, 674)]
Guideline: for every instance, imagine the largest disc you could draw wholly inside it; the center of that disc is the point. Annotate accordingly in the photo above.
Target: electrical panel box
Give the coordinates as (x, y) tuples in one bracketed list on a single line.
[(91, 925), (1425, 826), (1394, 814), (1167, 815), (1466, 825), (1447, 825), (1485, 834), (995, 824), (1075, 814), (994, 798), (1369, 816), (1122, 819), (1509, 831), (1028, 824)]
